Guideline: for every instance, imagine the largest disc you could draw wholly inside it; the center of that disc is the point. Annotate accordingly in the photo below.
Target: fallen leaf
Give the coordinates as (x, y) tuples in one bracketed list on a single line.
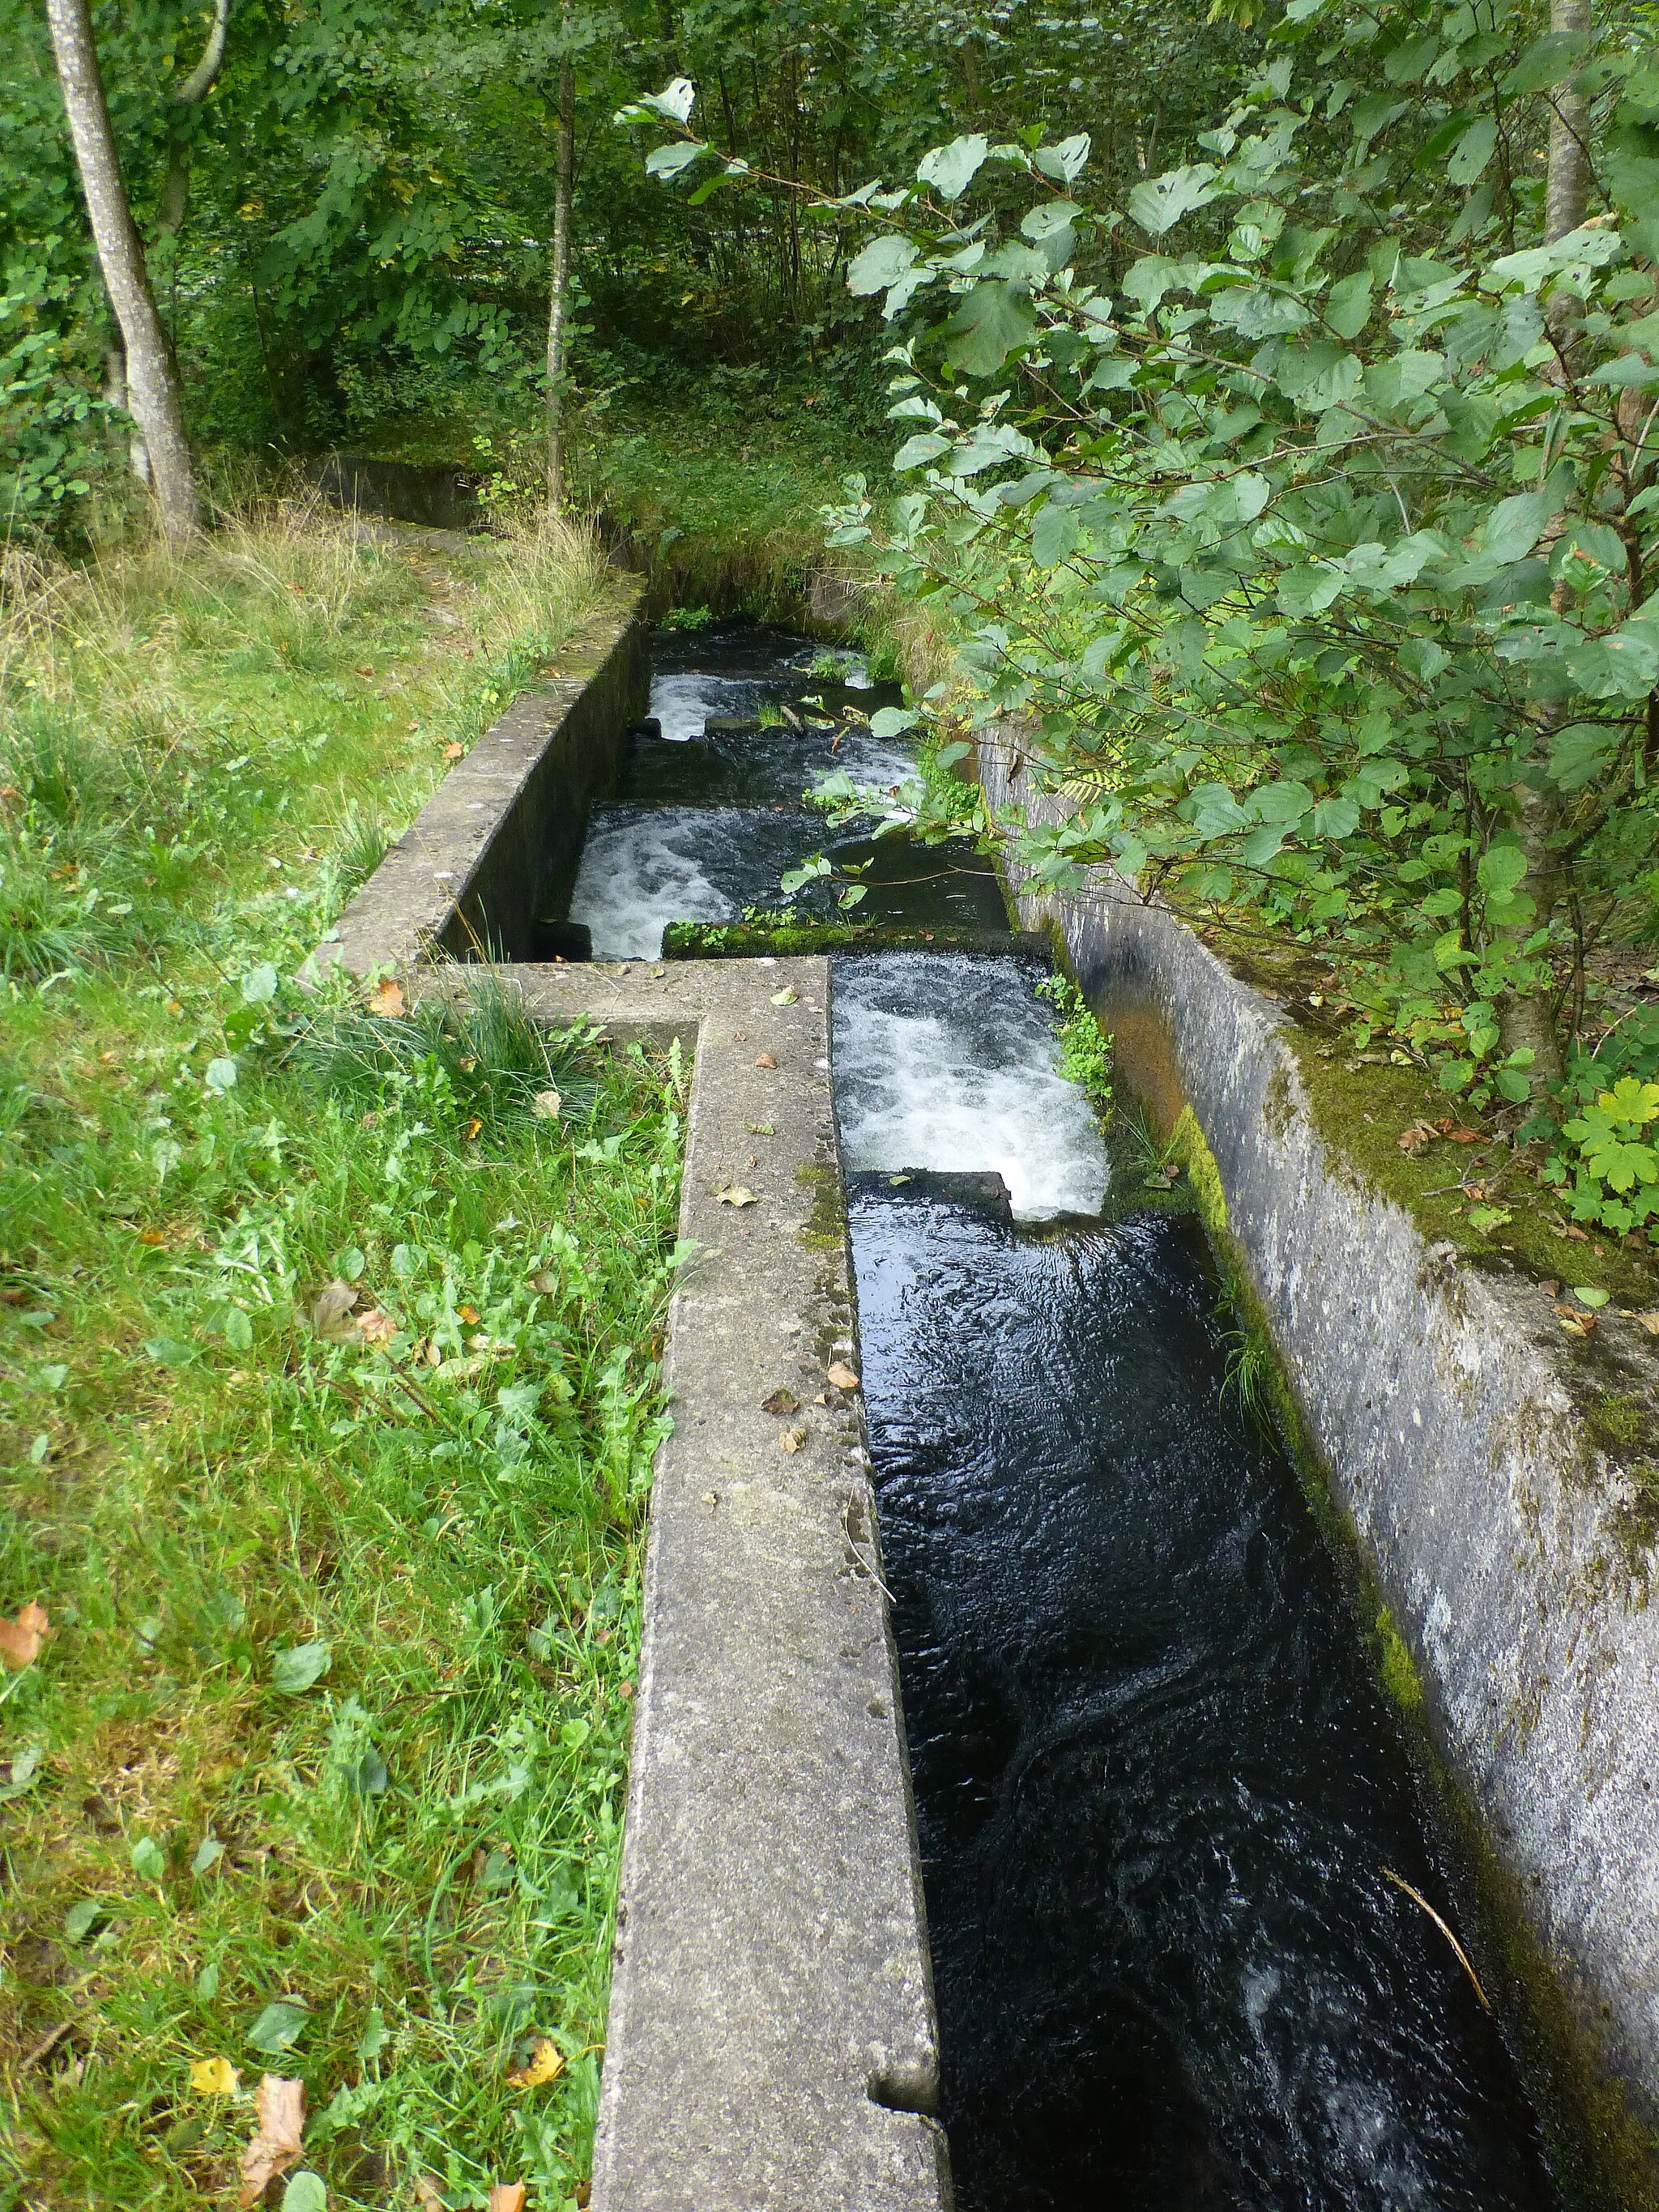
[(545, 1105), (1414, 1140), (1650, 1321), (216, 2077), (842, 1375), (545, 1281), (387, 1000), (152, 1237), (781, 1402), (1463, 1136), (764, 1060), (506, 2196), (362, 671), (453, 751), (793, 1439), (735, 1194), (472, 1129), (786, 997), (1588, 1295), (546, 2063), (1577, 1235), (280, 2107), (1552, 1289), (760, 1128), (376, 1327), (19, 1639), (1575, 1320), (469, 1314), (329, 1311), (426, 2190)]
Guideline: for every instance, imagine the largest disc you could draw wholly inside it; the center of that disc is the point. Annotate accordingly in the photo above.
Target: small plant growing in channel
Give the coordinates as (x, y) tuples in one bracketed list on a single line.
[(1086, 1050)]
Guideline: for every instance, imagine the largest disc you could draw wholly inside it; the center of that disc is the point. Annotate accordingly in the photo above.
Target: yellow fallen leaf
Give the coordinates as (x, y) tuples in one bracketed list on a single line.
[(1650, 1321), (453, 751), (19, 1639), (276, 2143), (735, 1194), (387, 1000), (842, 1375), (790, 1440), (506, 2196), (546, 2064), (786, 997), (216, 2077)]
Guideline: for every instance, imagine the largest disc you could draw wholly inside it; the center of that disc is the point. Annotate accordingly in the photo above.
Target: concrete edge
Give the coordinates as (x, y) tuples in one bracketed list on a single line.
[(1436, 1398), (483, 857)]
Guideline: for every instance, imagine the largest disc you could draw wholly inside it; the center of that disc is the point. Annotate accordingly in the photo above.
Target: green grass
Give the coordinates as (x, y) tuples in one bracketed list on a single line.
[(411, 1849)]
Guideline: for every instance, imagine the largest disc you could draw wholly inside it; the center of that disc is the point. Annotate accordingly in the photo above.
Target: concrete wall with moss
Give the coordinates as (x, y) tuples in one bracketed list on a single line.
[(1493, 1520)]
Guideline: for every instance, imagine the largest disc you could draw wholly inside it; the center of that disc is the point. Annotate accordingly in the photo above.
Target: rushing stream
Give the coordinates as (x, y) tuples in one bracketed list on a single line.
[(1166, 1814), (1156, 1788)]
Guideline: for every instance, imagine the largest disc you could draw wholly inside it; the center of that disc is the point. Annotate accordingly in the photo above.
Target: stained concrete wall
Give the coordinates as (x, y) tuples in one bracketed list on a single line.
[(493, 853), (1442, 1402)]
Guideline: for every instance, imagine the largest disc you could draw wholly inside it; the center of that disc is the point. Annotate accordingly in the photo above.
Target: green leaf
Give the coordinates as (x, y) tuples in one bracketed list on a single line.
[(293, 1671), (880, 263), (1588, 1295), (1348, 309), (260, 984), (1548, 61), (306, 2193), (951, 170), (1055, 534), (1063, 161), (1515, 524), (1310, 589), (1579, 753), (25, 1773), (239, 1329), (1159, 205), (81, 1919), (1335, 817), (927, 445), (222, 1074), (209, 1852), (993, 321), (894, 721), (149, 1861), (1281, 802), (280, 2025), (1501, 869), (669, 160), (1472, 152)]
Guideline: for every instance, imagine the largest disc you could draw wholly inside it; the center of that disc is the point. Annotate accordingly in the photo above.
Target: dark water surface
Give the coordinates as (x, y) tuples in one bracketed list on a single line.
[(1156, 1787)]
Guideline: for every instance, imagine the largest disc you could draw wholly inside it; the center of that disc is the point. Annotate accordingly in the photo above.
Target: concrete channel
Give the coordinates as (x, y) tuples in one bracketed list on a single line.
[(772, 2037)]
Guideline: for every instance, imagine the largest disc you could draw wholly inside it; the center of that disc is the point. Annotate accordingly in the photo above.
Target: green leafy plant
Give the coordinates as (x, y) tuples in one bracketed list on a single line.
[(1086, 1050), (1608, 1165)]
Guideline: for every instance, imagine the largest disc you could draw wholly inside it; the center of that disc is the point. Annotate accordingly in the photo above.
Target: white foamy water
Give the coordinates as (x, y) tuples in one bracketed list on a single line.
[(948, 1063), (640, 872), (683, 703)]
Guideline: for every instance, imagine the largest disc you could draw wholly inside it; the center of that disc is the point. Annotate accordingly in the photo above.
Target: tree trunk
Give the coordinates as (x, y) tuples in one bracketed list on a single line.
[(564, 157), (175, 191), (152, 385), (1566, 191), (1525, 1019)]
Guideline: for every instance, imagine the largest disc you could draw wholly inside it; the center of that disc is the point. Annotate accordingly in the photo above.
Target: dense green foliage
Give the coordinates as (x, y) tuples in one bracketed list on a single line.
[(370, 200)]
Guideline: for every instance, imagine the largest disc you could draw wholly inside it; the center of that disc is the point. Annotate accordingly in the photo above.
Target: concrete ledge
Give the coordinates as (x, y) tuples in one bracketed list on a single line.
[(497, 843), (772, 2040), (1440, 1401)]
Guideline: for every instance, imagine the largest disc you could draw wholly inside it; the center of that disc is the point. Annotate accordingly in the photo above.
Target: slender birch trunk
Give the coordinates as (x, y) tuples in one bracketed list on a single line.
[(564, 162), (152, 384), (1525, 1020)]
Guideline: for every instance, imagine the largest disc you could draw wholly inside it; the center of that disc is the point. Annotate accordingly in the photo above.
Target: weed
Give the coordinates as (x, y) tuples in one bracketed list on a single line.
[(1086, 1050)]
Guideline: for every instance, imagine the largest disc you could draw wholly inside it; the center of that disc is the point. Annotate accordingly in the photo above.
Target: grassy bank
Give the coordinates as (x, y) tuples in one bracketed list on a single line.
[(327, 1393)]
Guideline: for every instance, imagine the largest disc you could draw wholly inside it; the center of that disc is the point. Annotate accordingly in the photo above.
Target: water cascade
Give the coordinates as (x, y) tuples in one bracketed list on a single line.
[(1180, 1876)]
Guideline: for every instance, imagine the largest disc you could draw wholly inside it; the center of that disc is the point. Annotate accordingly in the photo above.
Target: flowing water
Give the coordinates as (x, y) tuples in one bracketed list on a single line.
[(1155, 1789), (743, 720), (1163, 1810)]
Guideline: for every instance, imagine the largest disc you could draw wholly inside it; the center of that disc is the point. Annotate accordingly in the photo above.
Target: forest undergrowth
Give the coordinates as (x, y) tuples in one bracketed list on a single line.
[(328, 1345)]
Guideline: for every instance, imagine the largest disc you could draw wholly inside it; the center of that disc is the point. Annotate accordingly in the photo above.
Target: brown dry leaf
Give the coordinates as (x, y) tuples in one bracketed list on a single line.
[(362, 671), (506, 2196), (842, 1375), (1414, 1140), (1575, 1320), (546, 2063), (376, 1327), (735, 1194), (329, 1314), (793, 1439), (426, 2190), (453, 751), (19, 1639), (216, 2077), (764, 1060), (281, 2108), (387, 1000), (1463, 1136), (545, 1105), (781, 1402), (152, 1237), (1650, 1321)]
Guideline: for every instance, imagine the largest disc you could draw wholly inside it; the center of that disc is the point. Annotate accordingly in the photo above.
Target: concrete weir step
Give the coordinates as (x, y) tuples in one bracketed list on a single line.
[(772, 2040)]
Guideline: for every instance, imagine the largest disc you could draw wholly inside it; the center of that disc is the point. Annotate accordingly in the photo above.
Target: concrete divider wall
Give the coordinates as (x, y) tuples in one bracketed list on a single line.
[(1441, 1402), (494, 851)]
